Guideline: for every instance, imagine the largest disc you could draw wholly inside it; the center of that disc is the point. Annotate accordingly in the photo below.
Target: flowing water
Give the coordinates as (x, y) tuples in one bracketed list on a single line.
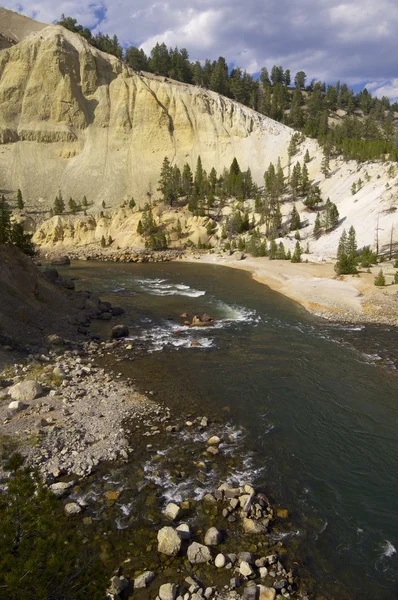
[(319, 403)]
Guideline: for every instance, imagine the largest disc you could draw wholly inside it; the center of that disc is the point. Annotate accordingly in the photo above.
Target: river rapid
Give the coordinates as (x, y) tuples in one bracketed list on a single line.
[(318, 403)]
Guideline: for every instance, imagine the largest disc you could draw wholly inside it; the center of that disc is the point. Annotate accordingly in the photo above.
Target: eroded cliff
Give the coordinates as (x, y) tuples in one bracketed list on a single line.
[(76, 119)]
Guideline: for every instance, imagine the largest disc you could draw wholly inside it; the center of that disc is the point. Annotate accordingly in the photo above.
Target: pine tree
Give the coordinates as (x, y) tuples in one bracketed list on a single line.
[(5, 222), (140, 228), (178, 229), (132, 204), (352, 249), (305, 180), (103, 242), (20, 202), (281, 252), (395, 277), (85, 203), (296, 256), (317, 225), (307, 157), (346, 261), (295, 221), (72, 206), (59, 204), (295, 180), (199, 177), (103, 204), (325, 165), (273, 250), (380, 280)]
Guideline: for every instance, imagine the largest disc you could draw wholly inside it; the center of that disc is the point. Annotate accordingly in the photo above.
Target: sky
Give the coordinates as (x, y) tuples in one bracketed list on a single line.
[(354, 41)]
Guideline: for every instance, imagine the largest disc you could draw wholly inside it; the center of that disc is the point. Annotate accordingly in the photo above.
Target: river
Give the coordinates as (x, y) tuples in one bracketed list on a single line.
[(318, 402)]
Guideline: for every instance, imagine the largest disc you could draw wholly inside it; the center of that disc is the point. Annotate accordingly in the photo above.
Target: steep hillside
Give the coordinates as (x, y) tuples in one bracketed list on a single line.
[(15, 27), (76, 119)]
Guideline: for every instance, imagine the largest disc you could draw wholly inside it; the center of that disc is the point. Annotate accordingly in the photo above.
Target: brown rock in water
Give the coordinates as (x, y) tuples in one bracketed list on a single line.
[(184, 316), (195, 343)]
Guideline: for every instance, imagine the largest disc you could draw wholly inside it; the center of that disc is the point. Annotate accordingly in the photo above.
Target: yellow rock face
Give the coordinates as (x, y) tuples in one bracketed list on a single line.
[(76, 119)]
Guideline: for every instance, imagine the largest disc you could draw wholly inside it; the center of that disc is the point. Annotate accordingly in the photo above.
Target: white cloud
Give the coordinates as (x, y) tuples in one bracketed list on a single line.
[(353, 40), (384, 88)]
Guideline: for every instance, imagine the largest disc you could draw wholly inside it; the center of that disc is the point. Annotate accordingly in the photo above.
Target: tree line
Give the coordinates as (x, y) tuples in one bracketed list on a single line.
[(367, 131)]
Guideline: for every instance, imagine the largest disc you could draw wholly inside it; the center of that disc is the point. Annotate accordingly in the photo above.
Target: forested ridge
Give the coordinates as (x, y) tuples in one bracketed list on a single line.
[(358, 126)]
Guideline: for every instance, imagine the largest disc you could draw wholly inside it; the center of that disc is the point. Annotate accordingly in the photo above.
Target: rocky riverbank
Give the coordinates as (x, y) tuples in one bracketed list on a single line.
[(71, 420), (125, 255)]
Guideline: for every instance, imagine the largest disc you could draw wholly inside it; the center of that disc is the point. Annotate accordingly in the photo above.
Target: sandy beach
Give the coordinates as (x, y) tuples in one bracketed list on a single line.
[(314, 285)]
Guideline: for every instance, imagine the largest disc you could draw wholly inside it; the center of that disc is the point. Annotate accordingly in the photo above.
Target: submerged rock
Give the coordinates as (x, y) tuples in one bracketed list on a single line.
[(72, 508), (120, 331)]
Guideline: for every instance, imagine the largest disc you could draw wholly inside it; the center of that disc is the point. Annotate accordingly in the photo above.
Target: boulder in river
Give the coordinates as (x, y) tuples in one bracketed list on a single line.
[(213, 537), (172, 511), (168, 591), (169, 542), (62, 261), (120, 331), (197, 553)]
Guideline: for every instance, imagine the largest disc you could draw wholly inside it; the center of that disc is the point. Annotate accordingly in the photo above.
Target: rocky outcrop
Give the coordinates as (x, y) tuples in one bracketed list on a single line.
[(103, 129)]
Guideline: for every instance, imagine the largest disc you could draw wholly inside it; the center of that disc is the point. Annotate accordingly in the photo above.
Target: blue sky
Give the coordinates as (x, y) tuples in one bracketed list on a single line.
[(355, 41)]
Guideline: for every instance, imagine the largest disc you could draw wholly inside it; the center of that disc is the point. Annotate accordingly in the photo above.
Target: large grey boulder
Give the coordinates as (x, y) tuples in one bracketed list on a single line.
[(169, 542), (197, 553), (26, 391)]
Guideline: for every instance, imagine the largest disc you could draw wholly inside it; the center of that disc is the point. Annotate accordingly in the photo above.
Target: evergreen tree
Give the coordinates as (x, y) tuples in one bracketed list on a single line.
[(331, 216), (140, 228), (273, 250), (199, 180), (307, 157), (305, 180), (313, 198), (380, 280), (85, 203), (103, 242), (325, 165), (72, 206), (132, 203), (295, 221), (296, 256), (5, 222), (295, 180), (317, 225), (21, 239), (20, 202), (352, 249), (59, 204), (346, 261), (281, 252), (395, 277)]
